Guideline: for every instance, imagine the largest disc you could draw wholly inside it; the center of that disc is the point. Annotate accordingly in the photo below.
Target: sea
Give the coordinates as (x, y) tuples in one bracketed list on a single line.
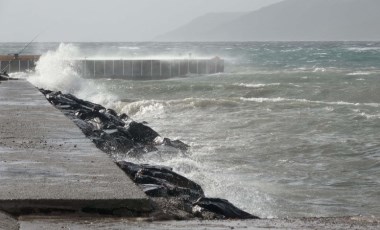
[(290, 129)]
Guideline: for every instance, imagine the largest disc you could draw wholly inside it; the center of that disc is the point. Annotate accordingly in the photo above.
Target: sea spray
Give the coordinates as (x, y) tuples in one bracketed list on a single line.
[(58, 70)]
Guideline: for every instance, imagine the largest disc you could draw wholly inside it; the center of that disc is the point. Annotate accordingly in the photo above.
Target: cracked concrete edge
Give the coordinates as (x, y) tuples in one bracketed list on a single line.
[(8, 222), (30, 222)]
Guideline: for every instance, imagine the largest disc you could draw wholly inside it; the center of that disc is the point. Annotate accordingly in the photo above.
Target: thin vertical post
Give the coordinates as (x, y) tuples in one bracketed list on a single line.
[(123, 67), (94, 68), (19, 65), (28, 66), (141, 67), (9, 67), (104, 68), (151, 68), (0, 66), (197, 66), (188, 66), (113, 67), (132, 68)]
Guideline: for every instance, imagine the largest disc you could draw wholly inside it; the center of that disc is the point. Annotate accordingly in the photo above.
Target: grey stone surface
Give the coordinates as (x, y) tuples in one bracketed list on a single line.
[(46, 161), (8, 222), (301, 223)]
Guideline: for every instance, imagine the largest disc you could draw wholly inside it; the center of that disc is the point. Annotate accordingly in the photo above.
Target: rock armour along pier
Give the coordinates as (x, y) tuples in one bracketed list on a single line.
[(133, 69)]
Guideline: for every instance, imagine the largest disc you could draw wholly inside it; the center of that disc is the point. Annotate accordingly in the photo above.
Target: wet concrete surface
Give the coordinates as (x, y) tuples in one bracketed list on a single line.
[(301, 223), (8, 222), (47, 163)]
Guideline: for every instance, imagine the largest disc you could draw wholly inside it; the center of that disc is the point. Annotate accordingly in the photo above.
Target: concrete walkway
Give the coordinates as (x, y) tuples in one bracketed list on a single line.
[(47, 164), (296, 224)]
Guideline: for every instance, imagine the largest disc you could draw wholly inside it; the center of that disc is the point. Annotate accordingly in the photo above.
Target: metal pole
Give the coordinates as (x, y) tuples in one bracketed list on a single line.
[(141, 68), (94, 68), (123, 67), (9, 67), (151, 68), (19, 65), (113, 67), (132, 68), (27, 65), (197, 66), (104, 67)]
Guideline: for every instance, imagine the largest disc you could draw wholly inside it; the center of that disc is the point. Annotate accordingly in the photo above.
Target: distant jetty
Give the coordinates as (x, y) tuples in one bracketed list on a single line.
[(132, 69)]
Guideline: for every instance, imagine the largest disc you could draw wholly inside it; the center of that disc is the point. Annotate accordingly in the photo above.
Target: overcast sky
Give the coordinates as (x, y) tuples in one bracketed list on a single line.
[(106, 20)]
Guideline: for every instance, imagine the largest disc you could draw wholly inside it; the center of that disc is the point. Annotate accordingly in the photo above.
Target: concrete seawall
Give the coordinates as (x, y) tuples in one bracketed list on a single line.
[(13, 64), (149, 69), (132, 69), (47, 164)]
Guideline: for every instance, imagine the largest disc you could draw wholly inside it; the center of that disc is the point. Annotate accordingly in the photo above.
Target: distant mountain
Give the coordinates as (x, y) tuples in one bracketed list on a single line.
[(290, 20), (200, 26)]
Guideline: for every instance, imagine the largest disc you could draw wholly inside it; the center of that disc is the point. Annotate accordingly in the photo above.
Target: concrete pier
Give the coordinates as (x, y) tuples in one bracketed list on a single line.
[(131, 69), (47, 164)]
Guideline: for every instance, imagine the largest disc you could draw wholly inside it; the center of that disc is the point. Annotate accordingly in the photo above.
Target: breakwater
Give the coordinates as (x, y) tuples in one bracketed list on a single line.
[(135, 69), (16, 63)]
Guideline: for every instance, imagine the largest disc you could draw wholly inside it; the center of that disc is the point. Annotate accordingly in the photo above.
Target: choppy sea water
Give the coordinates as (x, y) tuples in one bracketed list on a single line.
[(289, 130)]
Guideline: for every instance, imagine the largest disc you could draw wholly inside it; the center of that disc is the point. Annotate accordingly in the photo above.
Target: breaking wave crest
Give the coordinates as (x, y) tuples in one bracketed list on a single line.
[(159, 106)]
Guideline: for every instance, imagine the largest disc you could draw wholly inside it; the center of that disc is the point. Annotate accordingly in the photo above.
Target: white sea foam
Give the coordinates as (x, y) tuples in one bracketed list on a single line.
[(291, 50), (129, 47), (56, 70), (369, 116), (256, 85), (363, 49), (280, 99), (359, 73), (19, 75), (319, 69), (158, 107)]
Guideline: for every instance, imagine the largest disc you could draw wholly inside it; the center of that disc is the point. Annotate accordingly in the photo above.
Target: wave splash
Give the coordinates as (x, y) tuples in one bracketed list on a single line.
[(157, 107), (56, 70)]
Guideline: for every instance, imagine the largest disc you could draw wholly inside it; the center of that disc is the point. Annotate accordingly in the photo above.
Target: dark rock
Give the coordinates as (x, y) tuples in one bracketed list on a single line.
[(222, 207), (123, 116), (141, 132), (94, 120), (176, 144), (169, 182), (154, 190)]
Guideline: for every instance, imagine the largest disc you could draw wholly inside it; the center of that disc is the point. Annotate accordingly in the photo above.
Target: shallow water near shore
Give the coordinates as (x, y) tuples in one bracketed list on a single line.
[(289, 130)]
